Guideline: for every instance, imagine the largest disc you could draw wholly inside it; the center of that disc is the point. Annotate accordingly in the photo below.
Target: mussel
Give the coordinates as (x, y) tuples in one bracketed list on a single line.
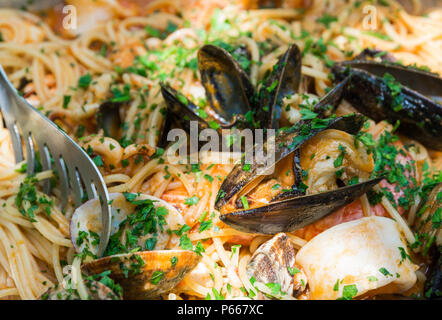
[(147, 274), (389, 91), (282, 81), (293, 211), (227, 85), (231, 95), (109, 119), (136, 254)]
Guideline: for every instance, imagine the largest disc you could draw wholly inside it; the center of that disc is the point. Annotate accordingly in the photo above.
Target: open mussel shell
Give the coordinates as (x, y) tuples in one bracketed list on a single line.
[(227, 85), (109, 119), (283, 81), (182, 109), (420, 117), (424, 82), (147, 274), (293, 214), (285, 143)]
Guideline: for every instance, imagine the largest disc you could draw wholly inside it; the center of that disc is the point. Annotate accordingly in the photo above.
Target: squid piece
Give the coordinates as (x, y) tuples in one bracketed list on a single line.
[(363, 257)]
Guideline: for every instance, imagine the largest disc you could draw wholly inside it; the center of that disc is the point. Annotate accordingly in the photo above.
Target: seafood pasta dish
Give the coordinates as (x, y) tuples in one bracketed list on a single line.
[(251, 150)]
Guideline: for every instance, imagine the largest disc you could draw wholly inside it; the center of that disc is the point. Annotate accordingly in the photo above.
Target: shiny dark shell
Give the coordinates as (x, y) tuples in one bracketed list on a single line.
[(286, 142), (420, 118), (295, 213)]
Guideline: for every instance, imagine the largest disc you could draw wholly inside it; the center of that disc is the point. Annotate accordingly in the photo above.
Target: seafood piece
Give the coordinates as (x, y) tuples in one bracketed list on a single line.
[(182, 109), (230, 93), (433, 285), (293, 211), (109, 119), (363, 257), (298, 212), (85, 223), (282, 81), (386, 91), (274, 262), (428, 224), (227, 84), (147, 274), (286, 142), (426, 83), (138, 223)]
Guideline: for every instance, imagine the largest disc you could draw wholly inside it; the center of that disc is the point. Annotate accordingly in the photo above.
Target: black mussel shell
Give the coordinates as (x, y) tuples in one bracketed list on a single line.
[(109, 119), (283, 81), (330, 102), (424, 82), (420, 118), (433, 285), (286, 142), (292, 214), (227, 85), (182, 109)]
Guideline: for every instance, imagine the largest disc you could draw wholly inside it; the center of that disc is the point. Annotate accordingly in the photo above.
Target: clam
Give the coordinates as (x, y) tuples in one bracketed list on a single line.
[(388, 91), (147, 274), (274, 262), (136, 254)]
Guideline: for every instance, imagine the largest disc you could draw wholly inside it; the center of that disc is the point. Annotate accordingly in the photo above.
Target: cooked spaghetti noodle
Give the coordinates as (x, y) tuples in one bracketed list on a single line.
[(124, 56)]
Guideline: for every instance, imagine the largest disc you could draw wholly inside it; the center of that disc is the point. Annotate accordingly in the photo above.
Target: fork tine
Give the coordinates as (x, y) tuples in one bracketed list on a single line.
[(45, 159), (90, 189), (30, 153), (63, 180), (16, 141), (76, 186)]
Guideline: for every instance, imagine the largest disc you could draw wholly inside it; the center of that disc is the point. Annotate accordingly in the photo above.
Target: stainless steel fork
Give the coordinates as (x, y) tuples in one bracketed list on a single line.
[(76, 171)]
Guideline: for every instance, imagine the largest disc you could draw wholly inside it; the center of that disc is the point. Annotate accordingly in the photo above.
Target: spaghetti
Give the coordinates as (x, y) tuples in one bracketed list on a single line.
[(124, 59)]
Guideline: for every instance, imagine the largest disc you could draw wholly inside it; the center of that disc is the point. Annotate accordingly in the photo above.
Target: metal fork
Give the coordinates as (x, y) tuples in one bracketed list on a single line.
[(74, 167)]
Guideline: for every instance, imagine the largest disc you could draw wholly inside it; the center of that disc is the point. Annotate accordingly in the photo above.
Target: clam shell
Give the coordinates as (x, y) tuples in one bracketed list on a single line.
[(137, 282), (270, 262)]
